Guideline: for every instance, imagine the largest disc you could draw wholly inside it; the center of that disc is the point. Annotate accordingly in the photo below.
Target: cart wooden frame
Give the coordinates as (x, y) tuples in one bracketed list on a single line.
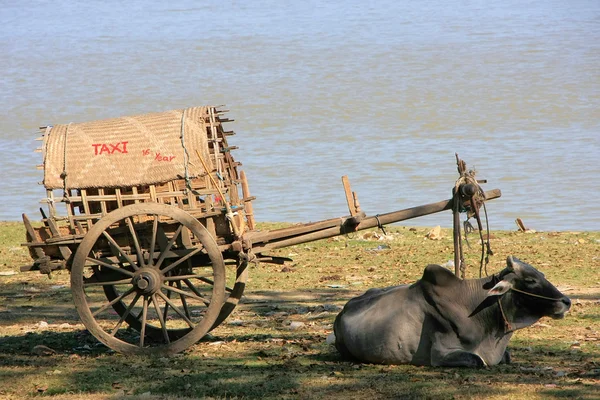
[(155, 266)]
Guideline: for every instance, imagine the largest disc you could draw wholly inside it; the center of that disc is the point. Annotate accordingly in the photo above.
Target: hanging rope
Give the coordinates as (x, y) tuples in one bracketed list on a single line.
[(488, 245), (186, 158), (64, 174), (459, 262), (469, 197)]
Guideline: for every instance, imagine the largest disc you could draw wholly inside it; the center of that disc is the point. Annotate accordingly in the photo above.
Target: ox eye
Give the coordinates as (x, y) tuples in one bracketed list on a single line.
[(530, 280)]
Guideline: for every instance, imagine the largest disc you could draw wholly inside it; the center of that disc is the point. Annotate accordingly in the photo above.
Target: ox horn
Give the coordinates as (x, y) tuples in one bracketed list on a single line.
[(513, 263), (510, 263)]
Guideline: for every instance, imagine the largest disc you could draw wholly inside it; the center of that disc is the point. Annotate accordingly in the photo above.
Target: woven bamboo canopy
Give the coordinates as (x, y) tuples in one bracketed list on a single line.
[(127, 151)]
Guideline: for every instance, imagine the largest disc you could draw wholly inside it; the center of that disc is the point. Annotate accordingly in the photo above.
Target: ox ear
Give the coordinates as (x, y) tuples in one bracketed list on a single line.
[(500, 288)]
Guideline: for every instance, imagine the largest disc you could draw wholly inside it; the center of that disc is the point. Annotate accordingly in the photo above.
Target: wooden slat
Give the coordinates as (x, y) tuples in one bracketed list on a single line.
[(111, 197), (102, 202), (247, 204), (152, 190), (170, 194), (31, 237), (51, 206), (118, 197), (85, 217), (65, 252), (66, 239), (80, 228), (350, 196), (86, 207), (70, 213)]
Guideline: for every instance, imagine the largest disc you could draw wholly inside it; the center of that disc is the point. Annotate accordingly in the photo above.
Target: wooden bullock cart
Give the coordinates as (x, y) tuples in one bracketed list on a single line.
[(154, 221)]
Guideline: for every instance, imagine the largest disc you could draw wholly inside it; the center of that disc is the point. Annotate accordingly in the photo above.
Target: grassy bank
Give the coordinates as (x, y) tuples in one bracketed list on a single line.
[(256, 354)]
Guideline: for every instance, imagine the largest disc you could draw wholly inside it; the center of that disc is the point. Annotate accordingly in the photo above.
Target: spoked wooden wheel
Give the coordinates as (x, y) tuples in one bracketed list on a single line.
[(155, 268)]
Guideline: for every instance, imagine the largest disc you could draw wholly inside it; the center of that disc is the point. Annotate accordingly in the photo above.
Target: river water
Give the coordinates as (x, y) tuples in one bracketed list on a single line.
[(385, 92)]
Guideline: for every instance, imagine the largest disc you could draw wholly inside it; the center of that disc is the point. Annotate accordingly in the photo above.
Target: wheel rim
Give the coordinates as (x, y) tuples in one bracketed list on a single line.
[(234, 293), (134, 269)]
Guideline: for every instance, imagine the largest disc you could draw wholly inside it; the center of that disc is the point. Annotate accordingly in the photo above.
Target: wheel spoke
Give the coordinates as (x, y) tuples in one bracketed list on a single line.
[(210, 282), (163, 326), (176, 309), (182, 259), (183, 300), (153, 239), (114, 245), (144, 321), (136, 242), (125, 314), (164, 252), (180, 277), (109, 266), (193, 288), (166, 310), (113, 301), (107, 283), (197, 295)]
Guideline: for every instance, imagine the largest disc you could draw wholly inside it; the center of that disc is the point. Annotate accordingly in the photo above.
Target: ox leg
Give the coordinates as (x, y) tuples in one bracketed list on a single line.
[(344, 352), (457, 358), (446, 351), (505, 358)]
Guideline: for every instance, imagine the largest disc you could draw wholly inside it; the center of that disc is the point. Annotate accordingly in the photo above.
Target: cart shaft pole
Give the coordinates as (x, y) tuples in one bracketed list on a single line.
[(369, 222)]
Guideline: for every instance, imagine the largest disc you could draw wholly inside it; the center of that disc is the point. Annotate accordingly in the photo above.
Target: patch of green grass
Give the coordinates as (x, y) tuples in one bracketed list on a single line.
[(12, 254)]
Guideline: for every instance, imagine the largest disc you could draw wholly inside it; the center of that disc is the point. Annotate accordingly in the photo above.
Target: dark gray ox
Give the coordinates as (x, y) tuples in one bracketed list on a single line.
[(441, 320)]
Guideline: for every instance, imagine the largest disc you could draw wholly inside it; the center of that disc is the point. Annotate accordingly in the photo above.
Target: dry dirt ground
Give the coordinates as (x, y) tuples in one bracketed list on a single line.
[(273, 345)]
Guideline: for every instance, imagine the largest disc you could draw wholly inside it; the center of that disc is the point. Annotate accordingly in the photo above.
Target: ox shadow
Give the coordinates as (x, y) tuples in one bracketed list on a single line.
[(273, 377)]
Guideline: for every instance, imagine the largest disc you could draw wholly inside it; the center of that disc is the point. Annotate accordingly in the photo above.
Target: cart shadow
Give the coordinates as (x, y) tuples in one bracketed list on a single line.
[(49, 343), (296, 302), (22, 303)]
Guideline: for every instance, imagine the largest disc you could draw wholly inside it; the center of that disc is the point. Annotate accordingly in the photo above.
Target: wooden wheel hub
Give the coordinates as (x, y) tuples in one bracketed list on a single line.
[(148, 281)]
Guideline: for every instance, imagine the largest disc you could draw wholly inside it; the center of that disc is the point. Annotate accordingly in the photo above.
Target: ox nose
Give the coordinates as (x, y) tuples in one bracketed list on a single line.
[(566, 301)]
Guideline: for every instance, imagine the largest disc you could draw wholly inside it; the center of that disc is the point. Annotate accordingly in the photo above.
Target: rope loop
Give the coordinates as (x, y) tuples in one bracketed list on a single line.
[(535, 295), (379, 225), (507, 325), (247, 257)]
